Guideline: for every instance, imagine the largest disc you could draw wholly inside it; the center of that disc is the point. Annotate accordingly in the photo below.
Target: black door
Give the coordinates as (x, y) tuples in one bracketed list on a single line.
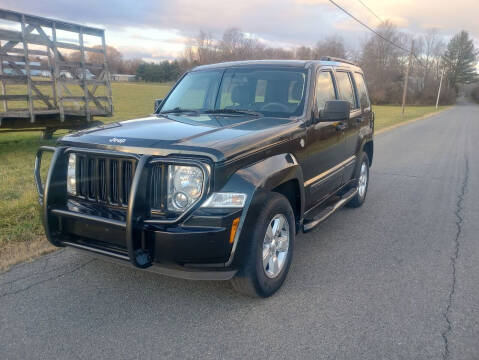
[(325, 146)]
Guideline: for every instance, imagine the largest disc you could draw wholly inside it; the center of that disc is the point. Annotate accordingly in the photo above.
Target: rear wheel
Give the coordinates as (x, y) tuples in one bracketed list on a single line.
[(362, 178), (269, 248)]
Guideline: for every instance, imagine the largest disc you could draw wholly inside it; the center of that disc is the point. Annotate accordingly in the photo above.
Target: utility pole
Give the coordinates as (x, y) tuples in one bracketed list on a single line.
[(440, 87), (404, 93)]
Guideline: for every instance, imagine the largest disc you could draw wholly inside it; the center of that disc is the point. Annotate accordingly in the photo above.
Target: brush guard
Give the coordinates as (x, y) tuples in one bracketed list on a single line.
[(53, 198)]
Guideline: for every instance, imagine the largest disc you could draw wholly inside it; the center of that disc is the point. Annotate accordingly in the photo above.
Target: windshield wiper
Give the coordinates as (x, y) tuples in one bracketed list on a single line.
[(178, 110), (234, 112)]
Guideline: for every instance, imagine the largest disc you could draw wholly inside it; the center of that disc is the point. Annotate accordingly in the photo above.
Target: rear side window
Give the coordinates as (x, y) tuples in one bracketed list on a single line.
[(362, 90), (324, 89), (345, 86)]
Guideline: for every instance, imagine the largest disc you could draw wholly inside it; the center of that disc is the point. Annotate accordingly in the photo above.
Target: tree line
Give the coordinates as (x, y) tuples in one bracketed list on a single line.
[(383, 63)]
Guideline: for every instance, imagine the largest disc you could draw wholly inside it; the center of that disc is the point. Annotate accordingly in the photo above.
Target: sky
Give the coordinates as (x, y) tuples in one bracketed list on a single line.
[(155, 30)]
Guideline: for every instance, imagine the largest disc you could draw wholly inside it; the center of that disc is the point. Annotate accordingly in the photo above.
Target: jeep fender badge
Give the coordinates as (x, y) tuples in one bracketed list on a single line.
[(117, 140)]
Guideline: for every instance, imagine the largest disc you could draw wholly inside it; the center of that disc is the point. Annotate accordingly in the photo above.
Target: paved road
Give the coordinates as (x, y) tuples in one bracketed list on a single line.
[(396, 279)]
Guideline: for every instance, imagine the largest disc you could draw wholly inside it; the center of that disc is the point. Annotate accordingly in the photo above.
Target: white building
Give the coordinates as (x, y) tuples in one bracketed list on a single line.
[(123, 77)]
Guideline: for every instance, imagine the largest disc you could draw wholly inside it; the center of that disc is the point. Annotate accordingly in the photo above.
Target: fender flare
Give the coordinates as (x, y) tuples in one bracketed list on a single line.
[(370, 148), (259, 178)]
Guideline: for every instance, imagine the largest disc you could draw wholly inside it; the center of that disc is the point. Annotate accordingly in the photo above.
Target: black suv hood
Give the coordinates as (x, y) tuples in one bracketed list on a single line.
[(219, 137)]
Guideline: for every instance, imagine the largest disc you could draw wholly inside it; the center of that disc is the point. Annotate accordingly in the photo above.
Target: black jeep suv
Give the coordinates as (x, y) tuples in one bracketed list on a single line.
[(236, 160)]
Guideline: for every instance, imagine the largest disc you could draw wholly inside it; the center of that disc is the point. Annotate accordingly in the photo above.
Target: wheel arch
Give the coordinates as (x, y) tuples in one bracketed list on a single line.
[(368, 148), (286, 179), (279, 173), (291, 190)]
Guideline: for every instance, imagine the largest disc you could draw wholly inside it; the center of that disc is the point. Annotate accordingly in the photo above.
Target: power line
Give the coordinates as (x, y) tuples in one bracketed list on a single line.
[(367, 26), (374, 31), (370, 10)]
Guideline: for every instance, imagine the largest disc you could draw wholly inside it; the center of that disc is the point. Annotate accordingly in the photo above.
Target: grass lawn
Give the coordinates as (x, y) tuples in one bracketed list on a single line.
[(21, 234), (388, 115)]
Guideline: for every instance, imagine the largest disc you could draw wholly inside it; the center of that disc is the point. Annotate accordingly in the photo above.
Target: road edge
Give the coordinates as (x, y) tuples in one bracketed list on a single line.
[(402, 123)]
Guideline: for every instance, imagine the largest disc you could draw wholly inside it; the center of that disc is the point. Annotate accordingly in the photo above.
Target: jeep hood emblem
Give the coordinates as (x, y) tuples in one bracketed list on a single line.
[(117, 140)]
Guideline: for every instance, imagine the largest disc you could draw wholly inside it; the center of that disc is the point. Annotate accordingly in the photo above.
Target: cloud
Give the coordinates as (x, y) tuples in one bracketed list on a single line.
[(163, 27)]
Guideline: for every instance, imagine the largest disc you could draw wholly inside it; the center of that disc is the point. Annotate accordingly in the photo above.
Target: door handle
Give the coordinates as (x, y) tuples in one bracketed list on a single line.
[(340, 127)]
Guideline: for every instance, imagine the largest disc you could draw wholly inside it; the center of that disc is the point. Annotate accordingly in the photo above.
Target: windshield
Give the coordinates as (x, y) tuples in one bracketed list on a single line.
[(275, 92)]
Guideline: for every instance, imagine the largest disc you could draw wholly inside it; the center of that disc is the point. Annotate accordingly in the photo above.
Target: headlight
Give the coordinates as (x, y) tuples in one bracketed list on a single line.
[(71, 175), (185, 186), (225, 200)]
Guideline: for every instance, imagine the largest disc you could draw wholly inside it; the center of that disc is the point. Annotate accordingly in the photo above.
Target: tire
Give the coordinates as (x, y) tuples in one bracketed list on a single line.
[(253, 278), (361, 170)]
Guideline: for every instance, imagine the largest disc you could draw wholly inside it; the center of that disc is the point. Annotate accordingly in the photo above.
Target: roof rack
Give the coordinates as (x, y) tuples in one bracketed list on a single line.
[(331, 58)]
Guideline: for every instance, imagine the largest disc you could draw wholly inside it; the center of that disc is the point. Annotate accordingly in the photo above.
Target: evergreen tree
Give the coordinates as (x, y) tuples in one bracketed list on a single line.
[(460, 60), (160, 72)]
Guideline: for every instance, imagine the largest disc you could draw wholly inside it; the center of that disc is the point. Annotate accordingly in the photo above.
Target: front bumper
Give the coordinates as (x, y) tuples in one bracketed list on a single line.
[(195, 246)]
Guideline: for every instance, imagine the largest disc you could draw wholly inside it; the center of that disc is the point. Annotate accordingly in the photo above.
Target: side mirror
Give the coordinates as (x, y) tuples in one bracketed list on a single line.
[(157, 104), (335, 110)]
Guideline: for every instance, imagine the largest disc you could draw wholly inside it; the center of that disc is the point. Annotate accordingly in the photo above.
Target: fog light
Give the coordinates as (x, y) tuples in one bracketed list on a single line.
[(181, 200)]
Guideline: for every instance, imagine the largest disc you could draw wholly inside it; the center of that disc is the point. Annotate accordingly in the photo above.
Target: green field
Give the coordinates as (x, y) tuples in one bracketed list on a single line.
[(21, 235), (387, 115)]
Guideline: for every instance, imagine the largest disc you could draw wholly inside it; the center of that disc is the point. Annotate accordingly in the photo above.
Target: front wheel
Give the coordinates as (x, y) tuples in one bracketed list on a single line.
[(362, 180), (270, 238)]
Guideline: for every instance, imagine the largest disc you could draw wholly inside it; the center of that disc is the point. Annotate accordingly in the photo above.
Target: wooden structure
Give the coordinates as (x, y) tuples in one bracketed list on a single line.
[(41, 87)]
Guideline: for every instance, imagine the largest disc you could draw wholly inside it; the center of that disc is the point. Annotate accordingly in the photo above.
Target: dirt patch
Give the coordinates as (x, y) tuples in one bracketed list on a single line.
[(17, 252)]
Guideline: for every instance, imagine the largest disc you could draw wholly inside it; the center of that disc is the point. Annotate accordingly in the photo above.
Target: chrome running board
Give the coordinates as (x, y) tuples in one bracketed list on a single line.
[(329, 210)]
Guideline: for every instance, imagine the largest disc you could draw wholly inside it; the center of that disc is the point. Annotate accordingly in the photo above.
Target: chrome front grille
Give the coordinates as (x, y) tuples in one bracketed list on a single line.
[(105, 180)]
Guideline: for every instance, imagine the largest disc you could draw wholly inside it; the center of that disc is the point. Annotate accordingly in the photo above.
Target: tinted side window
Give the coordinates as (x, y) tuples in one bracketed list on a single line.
[(345, 86), (362, 90), (324, 89)]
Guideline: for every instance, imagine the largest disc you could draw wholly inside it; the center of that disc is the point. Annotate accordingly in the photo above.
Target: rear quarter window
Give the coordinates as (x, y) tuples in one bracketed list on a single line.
[(346, 89), (362, 90)]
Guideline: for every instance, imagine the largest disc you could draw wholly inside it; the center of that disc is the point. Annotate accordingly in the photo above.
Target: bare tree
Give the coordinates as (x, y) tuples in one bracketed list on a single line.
[(304, 53), (114, 58), (130, 66), (203, 49), (206, 49), (384, 63), (331, 46), (74, 56), (231, 44)]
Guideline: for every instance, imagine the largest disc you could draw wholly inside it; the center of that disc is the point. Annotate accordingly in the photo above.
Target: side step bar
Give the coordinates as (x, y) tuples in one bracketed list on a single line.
[(328, 211)]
